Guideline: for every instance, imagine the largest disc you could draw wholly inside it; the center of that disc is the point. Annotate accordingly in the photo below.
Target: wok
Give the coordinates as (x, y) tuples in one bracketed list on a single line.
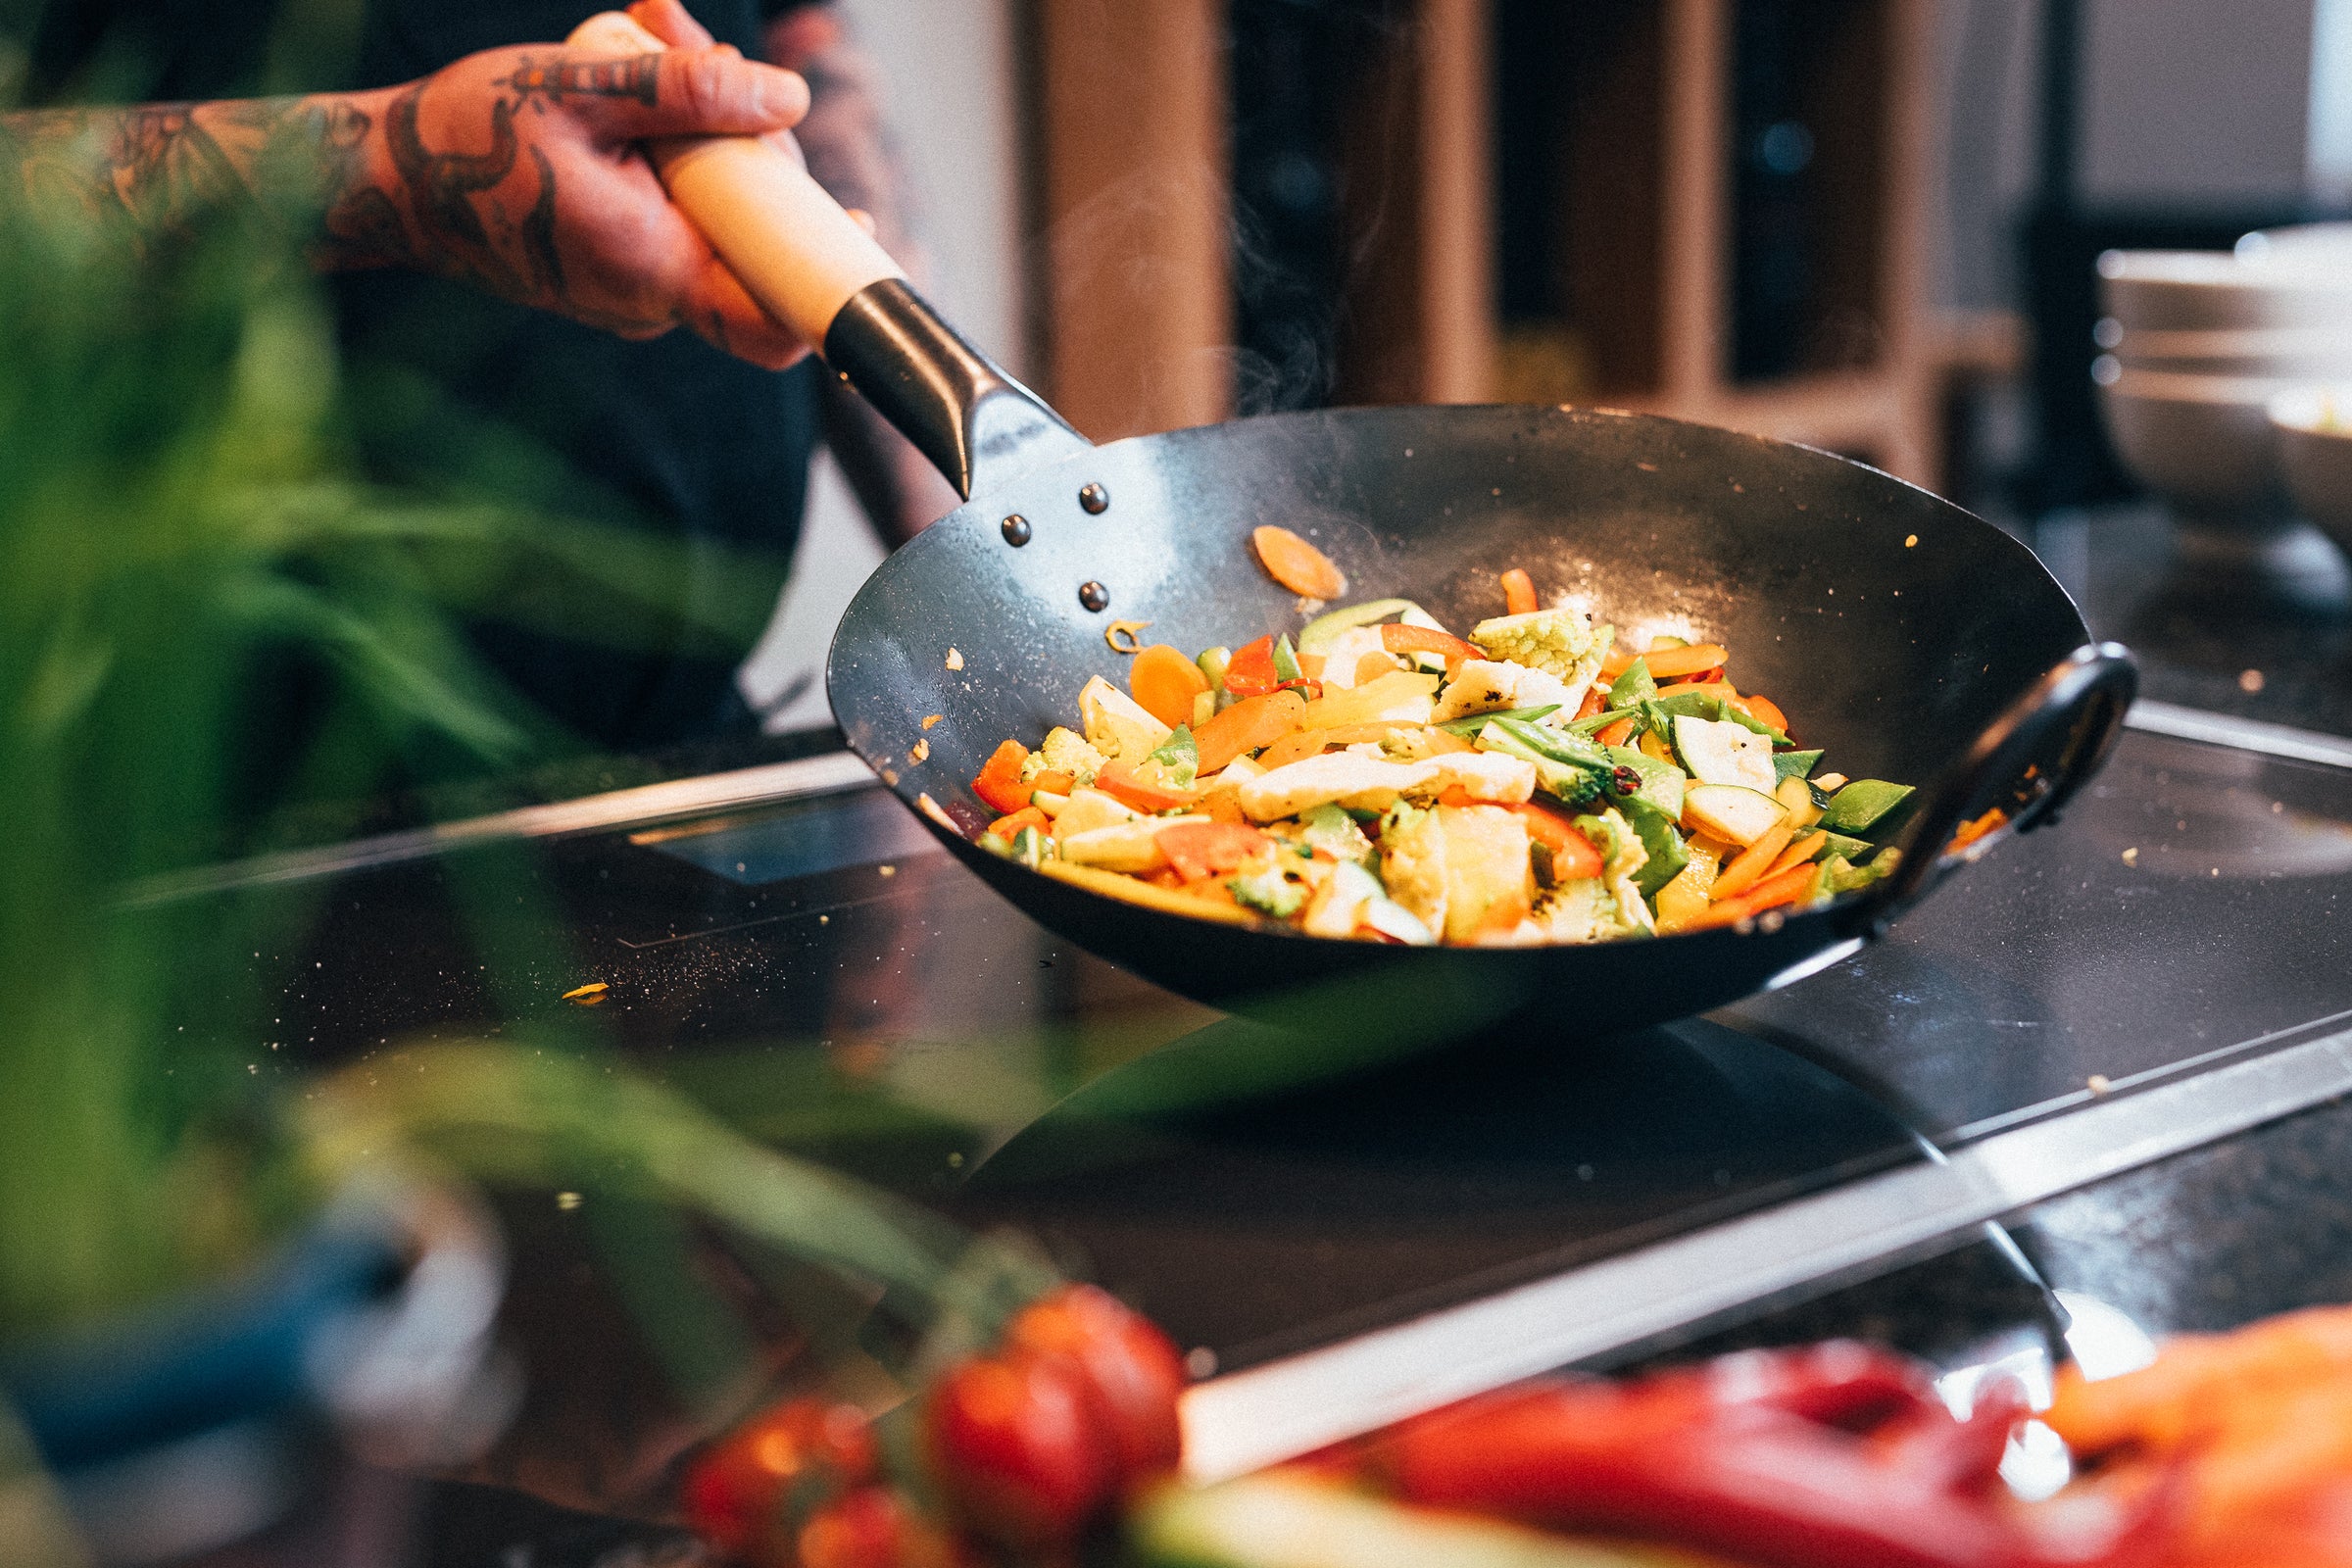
[(1914, 641)]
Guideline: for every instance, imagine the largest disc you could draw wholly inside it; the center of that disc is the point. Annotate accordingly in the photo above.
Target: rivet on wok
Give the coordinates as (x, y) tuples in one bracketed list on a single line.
[(1094, 596), (1095, 499), (1017, 530)]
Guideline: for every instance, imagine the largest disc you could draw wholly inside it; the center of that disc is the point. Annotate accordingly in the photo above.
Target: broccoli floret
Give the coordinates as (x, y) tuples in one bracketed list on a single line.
[(1066, 752), (1267, 891), (1623, 855), (1553, 640), (1331, 829)]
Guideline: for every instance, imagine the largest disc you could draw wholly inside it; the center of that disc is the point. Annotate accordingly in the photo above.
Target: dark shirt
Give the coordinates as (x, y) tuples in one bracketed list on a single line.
[(669, 438)]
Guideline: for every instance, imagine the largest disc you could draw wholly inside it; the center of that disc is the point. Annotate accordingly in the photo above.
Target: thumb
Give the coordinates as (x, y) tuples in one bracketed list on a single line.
[(708, 92)]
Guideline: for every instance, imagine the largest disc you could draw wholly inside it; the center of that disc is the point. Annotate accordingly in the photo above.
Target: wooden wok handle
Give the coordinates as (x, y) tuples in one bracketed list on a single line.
[(813, 270), (793, 246), (2028, 763)]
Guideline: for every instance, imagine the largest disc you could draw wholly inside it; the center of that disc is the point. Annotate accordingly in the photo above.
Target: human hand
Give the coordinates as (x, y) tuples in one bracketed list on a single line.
[(517, 169)]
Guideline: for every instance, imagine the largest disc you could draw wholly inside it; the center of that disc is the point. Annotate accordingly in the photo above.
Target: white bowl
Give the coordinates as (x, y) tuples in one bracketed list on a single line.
[(2201, 441), (2299, 242), (2312, 426), (2193, 291), (2306, 354)]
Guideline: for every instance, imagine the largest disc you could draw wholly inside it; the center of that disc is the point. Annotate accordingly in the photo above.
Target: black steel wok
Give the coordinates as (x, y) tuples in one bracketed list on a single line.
[(1914, 641)]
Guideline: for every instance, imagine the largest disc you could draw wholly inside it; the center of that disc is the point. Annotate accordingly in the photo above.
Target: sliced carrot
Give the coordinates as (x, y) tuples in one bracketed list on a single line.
[(1800, 853), (1615, 734), (1699, 685), (1311, 666), (1004, 827), (1198, 850), (1054, 782), (1669, 662), (1765, 708), (1250, 671), (1976, 827), (1397, 638), (1518, 593), (1164, 683), (1785, 886), (1119, 782), (1297, 565), (1753, 862), (1617, 660), (1593, 703), (999, 779), (1294, 748), (1573, 856), (1247, 725), (1223, 805)]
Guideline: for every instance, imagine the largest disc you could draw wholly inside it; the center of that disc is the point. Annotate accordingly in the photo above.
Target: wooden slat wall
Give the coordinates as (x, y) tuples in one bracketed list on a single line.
[(1134, 182)]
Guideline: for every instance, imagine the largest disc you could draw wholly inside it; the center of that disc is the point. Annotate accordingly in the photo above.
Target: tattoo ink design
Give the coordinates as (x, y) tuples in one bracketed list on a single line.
[(442, 185), (167, 169), (539, 228), (540, 82)]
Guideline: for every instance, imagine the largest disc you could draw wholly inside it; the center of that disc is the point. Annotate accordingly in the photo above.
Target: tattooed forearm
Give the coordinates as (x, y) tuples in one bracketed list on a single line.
[(161, 170)]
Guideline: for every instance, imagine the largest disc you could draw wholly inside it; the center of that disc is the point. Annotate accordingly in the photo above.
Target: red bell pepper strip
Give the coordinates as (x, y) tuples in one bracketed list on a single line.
[(1000, 780), (1250, 671), (1118, 781), (1198, 850), (1397, 638), (1781, 1458), (1004, 827), (1573, 857)]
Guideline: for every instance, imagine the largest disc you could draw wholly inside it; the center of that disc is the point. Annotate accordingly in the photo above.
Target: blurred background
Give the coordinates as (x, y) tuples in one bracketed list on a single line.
[(1867, 224)]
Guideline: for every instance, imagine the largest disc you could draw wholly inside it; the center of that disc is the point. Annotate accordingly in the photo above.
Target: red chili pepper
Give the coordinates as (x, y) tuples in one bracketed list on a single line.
[(801, 1454), (1836, 1457), (1250, 671)]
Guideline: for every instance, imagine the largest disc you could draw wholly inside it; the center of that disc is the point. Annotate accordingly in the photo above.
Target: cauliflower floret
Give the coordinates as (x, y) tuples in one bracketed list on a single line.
[(1488, 686), (1559, 642), (1066, 752), (1412, 863)]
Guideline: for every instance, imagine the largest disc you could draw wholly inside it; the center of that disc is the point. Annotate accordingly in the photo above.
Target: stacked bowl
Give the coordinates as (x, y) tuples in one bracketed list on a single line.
[(2218, 365)]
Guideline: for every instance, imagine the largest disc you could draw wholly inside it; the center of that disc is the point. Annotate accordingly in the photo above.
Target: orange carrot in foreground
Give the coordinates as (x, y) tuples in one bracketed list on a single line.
[(1164, 683), (1247, 725), (1669, 662), (1785, 886), (1753, 862), (1518, 593)]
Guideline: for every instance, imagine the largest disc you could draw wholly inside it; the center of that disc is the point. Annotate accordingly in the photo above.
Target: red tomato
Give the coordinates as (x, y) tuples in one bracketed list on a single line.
[(873, 1528), (1015, 1447), (1131, 1368), (735, 1494)]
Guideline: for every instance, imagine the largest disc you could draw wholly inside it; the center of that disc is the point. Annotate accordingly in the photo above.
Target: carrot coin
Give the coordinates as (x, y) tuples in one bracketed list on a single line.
[(1297, 565), (1165, 682)]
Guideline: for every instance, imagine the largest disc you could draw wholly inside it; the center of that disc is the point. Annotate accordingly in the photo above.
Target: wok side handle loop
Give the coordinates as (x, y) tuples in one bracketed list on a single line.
[(2028, 763)]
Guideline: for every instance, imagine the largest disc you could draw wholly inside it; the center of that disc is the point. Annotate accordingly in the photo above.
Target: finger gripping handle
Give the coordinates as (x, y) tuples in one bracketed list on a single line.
[(795, 249), (2028, 762)]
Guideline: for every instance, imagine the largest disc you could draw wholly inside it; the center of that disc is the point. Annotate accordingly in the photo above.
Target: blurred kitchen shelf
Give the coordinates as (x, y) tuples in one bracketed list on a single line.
[(1620, 203)]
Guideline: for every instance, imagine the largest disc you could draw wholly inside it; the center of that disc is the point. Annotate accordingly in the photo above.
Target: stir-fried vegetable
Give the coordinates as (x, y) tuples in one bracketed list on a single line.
[(1376, 776)]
